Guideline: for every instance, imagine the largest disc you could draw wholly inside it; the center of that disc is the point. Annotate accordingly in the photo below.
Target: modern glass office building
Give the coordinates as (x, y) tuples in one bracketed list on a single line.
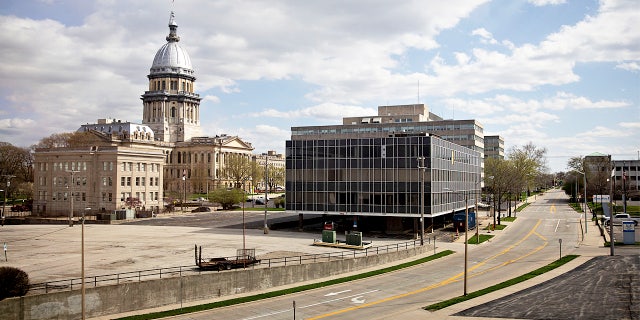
[(380, 176)]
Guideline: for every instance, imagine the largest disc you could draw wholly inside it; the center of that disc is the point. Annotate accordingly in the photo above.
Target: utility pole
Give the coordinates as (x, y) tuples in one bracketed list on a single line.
[(73, 172)]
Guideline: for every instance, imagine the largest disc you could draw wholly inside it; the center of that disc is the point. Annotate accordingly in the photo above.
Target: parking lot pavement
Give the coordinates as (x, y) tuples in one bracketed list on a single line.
[(53, 252), (604, 287)]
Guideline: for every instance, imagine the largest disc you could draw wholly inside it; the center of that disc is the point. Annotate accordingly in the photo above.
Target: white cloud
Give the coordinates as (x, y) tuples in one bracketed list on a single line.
[(630, 66), (604, 132), (485, 35), (211, 98), (631, 125), (325, 111), (541, 3), (564, 100)]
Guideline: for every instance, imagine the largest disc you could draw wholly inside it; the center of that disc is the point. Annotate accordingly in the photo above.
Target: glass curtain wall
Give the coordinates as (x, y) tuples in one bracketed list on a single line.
[(376, 176)]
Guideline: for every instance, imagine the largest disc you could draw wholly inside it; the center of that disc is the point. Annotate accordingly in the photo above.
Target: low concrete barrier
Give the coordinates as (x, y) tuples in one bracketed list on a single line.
[(125, 297)]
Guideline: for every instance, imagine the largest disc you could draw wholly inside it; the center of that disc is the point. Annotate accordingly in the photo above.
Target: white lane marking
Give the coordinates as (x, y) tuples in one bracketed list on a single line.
[(308, 306), (336, 293), (357, 299), (557, 225)]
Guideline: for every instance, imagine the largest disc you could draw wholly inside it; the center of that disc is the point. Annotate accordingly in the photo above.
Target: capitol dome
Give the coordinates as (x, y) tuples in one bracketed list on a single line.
[(171, 58)]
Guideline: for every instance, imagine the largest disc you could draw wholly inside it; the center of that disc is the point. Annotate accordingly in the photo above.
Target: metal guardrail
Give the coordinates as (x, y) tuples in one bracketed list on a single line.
[(149, 274)]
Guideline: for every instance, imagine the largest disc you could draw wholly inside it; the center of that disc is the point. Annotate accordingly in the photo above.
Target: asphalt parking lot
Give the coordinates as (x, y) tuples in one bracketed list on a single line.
[(605, 287)]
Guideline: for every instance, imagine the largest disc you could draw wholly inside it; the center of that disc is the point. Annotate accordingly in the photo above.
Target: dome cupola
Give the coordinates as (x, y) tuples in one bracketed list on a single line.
[(171, 58)]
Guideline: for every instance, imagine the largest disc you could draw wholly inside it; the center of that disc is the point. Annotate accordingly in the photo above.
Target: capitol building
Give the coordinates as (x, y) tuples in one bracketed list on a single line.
[(141, 165)]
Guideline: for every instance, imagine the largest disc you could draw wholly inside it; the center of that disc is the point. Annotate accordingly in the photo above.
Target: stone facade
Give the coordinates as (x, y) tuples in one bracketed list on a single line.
[(126, 165)]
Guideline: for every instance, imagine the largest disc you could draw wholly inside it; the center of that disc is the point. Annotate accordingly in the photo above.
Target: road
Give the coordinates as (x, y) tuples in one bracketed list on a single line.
[(533, 240)]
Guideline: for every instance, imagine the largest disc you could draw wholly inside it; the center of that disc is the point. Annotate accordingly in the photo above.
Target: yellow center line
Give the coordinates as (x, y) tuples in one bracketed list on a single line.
[(447, 281)]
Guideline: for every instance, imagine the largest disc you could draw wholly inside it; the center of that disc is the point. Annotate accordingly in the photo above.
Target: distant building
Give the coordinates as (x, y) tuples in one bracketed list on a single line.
[(413, 118), (626, 179), (493, 147), (625, 173), (103, 178), (271, 160)]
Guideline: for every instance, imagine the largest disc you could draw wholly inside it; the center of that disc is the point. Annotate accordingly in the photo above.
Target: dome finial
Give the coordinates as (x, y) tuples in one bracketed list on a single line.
[(173, 27)]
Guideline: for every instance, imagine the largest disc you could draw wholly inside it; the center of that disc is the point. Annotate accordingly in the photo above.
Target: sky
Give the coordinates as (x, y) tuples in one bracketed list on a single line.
[(561, 74)]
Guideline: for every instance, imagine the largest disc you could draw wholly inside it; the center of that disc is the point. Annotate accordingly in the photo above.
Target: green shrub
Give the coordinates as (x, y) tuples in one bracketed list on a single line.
[(13, 282)]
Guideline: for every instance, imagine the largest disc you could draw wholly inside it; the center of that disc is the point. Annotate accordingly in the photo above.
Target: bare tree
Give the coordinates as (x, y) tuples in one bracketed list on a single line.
[(66, 140), (500, 177), (237, 168), (529, 161), (275, 176), (16, 161)]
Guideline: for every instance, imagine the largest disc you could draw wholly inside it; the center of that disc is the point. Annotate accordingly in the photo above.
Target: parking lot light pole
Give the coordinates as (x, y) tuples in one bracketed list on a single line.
[(4, 204), (421, 167), (72, 182), (82, 264), (266, 192)]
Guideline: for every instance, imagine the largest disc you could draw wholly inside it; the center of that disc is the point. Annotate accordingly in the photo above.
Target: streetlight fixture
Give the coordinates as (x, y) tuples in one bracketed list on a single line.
[(73, 172), (5, 200), (611, 208), (585, 198), (266, 191), (4, 204), (82, 264), (421, 167), (466, 231), (184, 189)]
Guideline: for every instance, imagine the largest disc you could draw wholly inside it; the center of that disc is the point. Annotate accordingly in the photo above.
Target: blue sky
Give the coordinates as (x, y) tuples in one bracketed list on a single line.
[(564, 75)]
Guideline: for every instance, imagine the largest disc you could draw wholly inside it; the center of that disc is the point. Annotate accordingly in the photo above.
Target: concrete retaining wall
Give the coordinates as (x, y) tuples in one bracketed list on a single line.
[(133, 296)]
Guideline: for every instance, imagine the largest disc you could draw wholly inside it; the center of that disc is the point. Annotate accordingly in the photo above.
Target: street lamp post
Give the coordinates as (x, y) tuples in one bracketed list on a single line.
[(73, 172), (611, 208), (466, 240), (584, 176), (266, 191), (244, 193), (82, 263), (421, 167), (4, 204), (184, 188), (466, 231)]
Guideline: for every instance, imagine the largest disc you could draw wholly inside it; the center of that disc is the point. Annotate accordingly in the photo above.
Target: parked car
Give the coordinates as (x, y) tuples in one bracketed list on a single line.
[(618, 218), (258, 201), (201, 209)]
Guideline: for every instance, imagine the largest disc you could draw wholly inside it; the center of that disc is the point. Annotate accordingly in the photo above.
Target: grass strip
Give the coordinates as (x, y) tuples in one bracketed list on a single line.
[(482, 238), (520, 208), (501, 285), (282, 292), (576, 206), (495, 227), (508, 219)]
